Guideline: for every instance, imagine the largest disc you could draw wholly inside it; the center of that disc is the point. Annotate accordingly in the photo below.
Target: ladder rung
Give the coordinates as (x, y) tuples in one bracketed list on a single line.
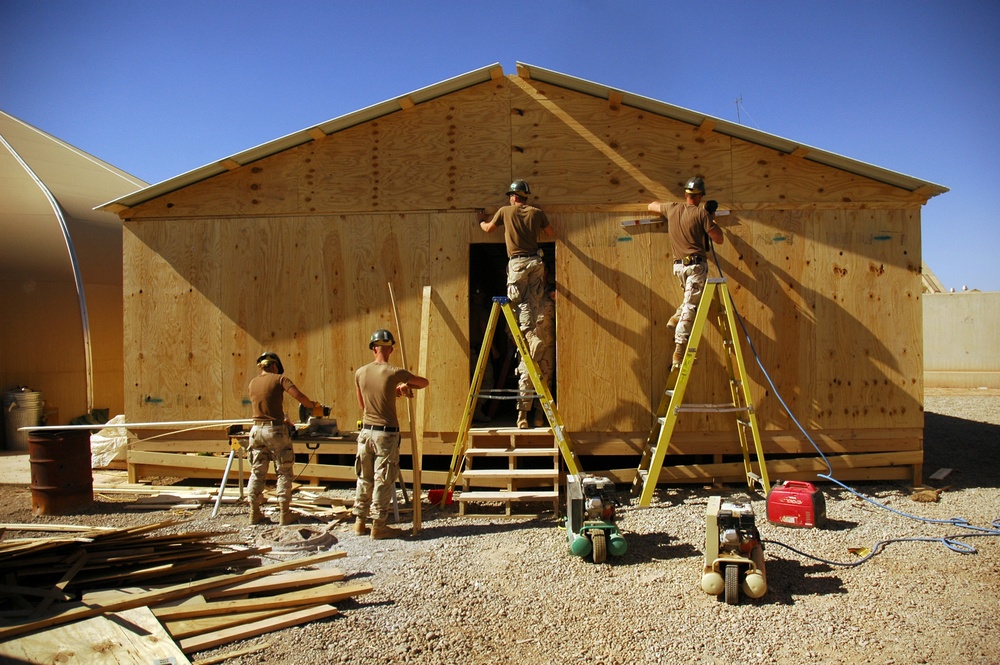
[(710, 408), (533, 474)]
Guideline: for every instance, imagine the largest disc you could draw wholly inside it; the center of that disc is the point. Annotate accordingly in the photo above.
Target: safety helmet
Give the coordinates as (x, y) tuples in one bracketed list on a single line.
[(518, 187), (694, 186), (265, 359), (381, 337)]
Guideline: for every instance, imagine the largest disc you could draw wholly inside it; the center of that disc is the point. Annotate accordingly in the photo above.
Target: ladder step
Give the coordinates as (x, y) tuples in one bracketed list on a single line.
[(539, 474), (509, 496), (710, 408)]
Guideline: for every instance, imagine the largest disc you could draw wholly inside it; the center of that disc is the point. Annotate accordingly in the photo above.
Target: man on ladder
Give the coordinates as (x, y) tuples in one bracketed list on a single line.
[(525, 274), (690, 227)]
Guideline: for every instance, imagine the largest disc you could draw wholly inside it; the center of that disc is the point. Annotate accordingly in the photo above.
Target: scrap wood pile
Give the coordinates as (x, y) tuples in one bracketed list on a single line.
[(144, 597), (307, 502)]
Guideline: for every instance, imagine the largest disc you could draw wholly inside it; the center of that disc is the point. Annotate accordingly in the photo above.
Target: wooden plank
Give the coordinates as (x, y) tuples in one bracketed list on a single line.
[(516, 474), (326, 593), (201, 643), (186, 628), (421, 410), (129, 636), (289, 580), (508, 496)]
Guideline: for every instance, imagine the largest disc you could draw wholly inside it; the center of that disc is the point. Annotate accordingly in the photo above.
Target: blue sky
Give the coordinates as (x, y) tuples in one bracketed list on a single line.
[(158, 88)]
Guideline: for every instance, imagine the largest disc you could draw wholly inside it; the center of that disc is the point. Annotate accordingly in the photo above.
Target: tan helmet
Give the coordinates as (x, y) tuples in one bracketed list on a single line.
[(267, 358), (381, 337)]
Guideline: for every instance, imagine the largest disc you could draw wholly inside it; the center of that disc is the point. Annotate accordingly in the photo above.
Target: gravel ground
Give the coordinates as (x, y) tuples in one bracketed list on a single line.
[(473, 591)]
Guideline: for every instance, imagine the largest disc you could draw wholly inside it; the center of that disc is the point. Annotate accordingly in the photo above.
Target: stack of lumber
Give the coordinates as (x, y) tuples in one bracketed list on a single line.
[(143, 597)]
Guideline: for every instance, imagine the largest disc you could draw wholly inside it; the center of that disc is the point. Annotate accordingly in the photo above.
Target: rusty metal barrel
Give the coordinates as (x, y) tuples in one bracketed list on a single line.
[(61, 479)]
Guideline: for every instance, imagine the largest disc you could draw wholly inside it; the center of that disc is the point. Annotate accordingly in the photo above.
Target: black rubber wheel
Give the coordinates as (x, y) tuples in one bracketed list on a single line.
[(600, 542), (732, 584)]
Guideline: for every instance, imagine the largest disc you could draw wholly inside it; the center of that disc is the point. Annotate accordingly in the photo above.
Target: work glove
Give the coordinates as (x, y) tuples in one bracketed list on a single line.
[(403, 390), (711, 206)]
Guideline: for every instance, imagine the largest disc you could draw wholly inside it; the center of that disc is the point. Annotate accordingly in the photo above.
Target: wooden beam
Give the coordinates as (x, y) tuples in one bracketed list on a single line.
[(203, 642), (614, 100), (801, 151), (230, 164), (706, 127), (405, 103), (418, 428), (650, 185), (316, 133)]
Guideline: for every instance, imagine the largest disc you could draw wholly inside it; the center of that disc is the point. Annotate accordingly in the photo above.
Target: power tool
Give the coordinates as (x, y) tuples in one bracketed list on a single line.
[(590, 517), (734, 555)]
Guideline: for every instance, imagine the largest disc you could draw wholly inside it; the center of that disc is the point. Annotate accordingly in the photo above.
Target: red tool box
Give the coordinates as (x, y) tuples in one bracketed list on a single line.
[(796, 503)]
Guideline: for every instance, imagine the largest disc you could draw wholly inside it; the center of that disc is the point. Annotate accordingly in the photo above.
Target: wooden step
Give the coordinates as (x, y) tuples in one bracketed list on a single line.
[(522, 495), (513, 452), (515, 474)]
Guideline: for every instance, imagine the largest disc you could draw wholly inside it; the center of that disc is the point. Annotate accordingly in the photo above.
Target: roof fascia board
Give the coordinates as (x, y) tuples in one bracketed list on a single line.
[(732, 129)]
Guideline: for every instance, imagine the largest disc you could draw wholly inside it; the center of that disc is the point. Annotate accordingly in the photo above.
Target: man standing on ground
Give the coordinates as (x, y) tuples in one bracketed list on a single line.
[(269, 440), (525, 272), (377, 463), (690, 227)]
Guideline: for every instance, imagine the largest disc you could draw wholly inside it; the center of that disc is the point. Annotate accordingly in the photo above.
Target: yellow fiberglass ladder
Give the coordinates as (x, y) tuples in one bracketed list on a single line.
[(716, 298), (462, 453)]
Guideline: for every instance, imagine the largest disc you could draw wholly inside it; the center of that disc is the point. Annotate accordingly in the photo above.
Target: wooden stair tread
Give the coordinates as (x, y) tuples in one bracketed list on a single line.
[(513, 452), (521, 495), (510, 473)]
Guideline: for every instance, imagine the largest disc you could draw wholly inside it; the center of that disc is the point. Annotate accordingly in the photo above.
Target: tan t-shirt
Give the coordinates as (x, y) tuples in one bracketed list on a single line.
[(521, 224), (377, 382), (688, 226), (267, 393)]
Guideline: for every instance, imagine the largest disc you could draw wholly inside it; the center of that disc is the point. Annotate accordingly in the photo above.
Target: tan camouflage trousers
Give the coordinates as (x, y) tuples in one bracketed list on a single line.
[(543, 353), (377, 466), (692, 279), (270, 443)]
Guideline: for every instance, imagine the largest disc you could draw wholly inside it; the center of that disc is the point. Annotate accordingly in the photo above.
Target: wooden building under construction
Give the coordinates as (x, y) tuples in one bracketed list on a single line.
[(290, 247)]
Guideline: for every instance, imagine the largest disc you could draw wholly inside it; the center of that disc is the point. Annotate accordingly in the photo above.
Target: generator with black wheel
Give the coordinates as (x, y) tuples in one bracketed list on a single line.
[(734, 555), (590, 517)]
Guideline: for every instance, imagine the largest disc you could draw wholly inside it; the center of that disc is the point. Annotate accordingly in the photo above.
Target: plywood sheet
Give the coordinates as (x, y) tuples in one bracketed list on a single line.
[(129, 636)]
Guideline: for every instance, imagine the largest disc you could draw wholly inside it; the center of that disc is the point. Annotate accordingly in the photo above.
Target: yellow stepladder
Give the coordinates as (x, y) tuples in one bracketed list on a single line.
[(501, 304), (672, 402)]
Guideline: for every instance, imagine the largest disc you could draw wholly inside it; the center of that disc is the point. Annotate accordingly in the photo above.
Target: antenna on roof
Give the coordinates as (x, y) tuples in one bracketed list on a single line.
[(739, 101)]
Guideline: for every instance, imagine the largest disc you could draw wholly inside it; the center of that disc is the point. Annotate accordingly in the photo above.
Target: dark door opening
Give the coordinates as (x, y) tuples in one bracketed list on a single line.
[(487, 279)]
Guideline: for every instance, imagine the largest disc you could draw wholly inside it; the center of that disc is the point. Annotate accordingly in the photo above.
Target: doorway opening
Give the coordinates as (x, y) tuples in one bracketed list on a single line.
[(487, 279)]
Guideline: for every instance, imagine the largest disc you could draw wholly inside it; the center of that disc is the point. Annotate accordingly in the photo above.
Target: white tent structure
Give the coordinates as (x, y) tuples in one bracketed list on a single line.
[(60, 273)]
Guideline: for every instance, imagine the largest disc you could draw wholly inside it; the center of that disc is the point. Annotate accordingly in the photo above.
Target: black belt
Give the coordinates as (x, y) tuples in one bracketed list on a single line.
[(380, 428), (272, 423), (690, 260), (524, 256)]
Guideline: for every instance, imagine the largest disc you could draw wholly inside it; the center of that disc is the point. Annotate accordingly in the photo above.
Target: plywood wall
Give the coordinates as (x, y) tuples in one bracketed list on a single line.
[(293, 254)]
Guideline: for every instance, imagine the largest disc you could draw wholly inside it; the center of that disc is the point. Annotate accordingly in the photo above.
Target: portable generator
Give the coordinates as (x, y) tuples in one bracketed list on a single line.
[(734, 555), (590, 517), (796, 503)]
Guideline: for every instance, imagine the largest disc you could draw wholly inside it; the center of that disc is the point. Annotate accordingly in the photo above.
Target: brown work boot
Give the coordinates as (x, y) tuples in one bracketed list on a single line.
[(674, 320), (381, 531), (286, 515), (679, 354), (522, 420), (256, 516), (359, 526)]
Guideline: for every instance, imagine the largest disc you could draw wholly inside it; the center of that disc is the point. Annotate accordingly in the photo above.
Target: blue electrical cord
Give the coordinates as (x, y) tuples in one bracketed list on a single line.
[(952, 542)]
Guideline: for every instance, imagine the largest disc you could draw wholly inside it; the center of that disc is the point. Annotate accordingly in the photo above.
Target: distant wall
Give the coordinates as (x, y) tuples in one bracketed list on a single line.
[(960, 340)]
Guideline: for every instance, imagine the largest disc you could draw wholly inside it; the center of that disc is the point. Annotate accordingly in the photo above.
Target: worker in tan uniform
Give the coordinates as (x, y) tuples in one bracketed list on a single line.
[(690, 226), (378, 385), (522, 224), (269, 439)]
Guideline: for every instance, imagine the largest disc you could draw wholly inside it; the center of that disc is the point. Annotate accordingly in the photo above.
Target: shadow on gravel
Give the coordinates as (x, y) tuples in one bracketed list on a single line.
[(788, 578), (968, 447), (646, 547), (467, 530)]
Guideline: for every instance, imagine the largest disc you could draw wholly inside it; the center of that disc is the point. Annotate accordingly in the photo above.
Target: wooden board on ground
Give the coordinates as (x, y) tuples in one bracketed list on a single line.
[(131, 636)]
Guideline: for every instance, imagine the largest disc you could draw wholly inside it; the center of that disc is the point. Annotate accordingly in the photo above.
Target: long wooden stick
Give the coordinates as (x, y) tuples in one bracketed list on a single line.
[(409, 402), (418, 454)]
